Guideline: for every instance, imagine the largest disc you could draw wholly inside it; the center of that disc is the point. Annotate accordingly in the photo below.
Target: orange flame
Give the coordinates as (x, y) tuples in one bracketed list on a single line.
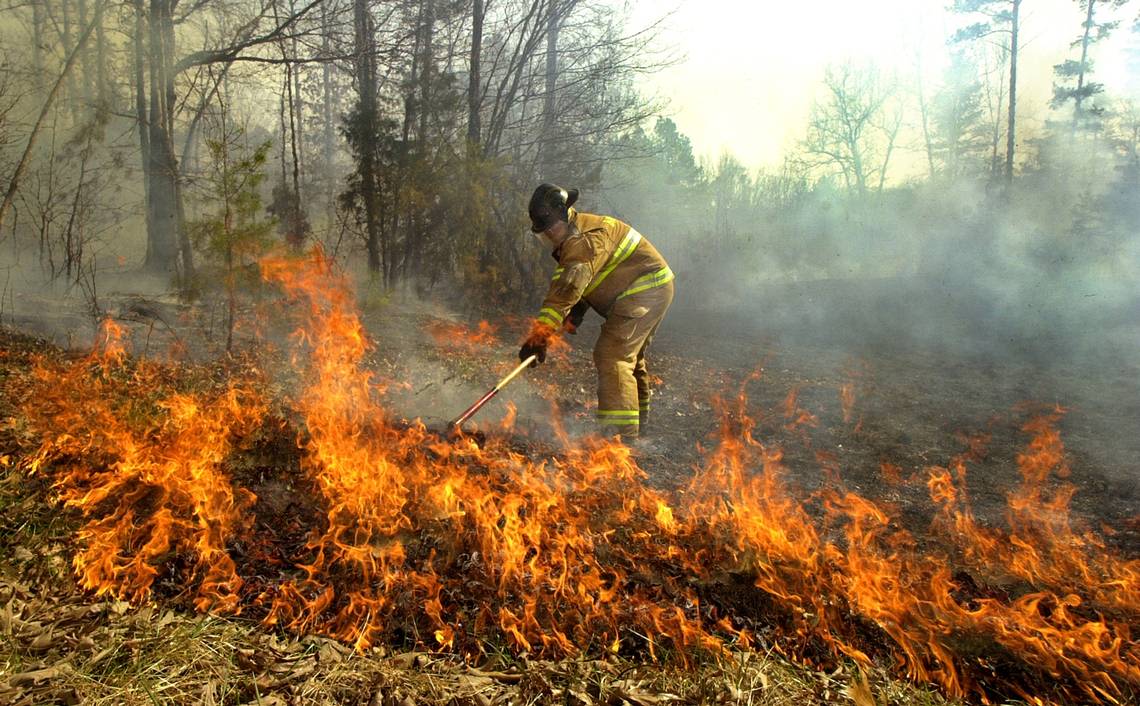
[(447, 542), (159, 486), (458, 336)]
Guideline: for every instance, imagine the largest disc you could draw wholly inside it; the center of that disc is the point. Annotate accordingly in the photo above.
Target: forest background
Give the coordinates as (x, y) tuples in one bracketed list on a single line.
[(170, 143)]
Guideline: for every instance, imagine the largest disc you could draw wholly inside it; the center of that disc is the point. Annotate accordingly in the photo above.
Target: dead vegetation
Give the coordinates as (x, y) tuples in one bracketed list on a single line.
[(66, 646)]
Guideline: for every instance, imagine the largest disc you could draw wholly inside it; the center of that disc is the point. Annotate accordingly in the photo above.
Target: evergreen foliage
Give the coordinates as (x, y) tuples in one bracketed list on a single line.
[(232, 236)]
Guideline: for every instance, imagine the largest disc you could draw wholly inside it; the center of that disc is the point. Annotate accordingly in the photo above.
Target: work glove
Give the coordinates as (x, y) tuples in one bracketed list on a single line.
[(535, 347), (575, 317)]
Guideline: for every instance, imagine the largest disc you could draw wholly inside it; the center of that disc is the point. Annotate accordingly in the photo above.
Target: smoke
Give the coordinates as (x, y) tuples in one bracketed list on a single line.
[(1045, 273), (65, 310), (968, 298)]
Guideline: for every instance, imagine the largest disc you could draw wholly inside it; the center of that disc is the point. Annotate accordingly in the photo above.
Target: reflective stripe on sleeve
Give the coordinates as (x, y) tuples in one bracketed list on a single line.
[(557, 273), (649, 281), (549, 316), (624, 249)]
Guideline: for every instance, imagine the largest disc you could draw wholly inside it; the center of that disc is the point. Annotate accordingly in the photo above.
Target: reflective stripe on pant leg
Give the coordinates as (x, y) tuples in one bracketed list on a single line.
[(618, 417), (617, 391)]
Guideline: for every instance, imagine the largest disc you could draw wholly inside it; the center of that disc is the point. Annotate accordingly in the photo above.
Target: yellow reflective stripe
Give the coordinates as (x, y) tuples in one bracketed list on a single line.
[(649, 281), (628, 244), (557, 273), (550, 316), (619, 422), (618, 414)]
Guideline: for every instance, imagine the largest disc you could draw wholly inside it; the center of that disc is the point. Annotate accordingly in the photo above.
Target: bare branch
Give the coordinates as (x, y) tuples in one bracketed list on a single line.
[(22, 165), (233, 52)]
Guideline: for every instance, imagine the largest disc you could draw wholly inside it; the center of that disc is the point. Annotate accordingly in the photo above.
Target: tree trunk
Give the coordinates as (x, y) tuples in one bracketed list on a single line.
[(924, 112), (1010, 140), (328, 110), (546, 161), (1078, 98), (39, 22), (102, 92), (293, 91), (427, 26), (168, 247), (188, 145), (995, 104), (282, 143), (298, 110), (414, 240), (857, 169), (141, 118), (366, 85), (85, 58), (294, 140), (892, 136), (474, 127), (65, 38)]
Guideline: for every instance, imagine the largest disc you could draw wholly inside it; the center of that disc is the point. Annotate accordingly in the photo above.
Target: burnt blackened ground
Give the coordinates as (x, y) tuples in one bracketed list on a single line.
[(933, 373)]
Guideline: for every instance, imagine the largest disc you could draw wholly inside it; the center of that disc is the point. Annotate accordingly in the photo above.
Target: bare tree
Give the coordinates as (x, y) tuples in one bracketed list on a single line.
[(22, 164), (169, 251), (850, 130)]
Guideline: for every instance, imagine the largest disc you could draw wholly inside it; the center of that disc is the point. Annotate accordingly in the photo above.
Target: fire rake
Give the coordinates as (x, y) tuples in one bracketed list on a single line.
[(491, 393)]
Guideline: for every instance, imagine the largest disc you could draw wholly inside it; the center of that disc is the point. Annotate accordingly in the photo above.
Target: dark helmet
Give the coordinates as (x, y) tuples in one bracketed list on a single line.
[(550, 204)]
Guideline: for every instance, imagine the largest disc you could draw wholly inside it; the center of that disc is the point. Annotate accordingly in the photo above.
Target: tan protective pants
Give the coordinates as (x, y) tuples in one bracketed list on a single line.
[(619, 355)]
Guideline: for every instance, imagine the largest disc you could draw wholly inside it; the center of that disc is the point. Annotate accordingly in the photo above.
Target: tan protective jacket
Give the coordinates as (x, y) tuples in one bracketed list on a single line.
[(602, 260)]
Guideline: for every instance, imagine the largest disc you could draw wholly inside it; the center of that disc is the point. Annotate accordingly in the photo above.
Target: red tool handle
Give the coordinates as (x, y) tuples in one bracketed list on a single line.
[(492, 392)]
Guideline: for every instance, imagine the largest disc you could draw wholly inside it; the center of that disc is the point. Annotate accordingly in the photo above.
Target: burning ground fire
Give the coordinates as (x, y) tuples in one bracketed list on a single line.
[(460, 337), (398, 534)]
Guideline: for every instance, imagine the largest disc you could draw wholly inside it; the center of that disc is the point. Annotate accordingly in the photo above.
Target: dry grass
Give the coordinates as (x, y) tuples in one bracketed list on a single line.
[(59, 645)]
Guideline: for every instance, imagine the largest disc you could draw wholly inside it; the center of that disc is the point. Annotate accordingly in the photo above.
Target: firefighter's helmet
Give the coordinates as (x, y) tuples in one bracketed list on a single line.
[(549, 204)]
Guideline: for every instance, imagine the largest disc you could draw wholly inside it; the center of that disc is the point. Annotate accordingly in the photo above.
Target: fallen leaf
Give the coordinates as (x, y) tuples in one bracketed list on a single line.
[(636, 696), (33, 678), (860, 691), (43, 642)]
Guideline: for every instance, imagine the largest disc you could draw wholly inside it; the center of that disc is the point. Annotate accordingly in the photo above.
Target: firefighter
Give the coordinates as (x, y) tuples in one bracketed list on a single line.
[(608, 266)]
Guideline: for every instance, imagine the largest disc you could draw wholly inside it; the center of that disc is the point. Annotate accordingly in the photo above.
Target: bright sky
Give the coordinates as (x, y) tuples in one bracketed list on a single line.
[(752, 66)]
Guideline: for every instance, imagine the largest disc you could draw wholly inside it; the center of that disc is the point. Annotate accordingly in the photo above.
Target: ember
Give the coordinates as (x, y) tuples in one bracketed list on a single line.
[(453, 545)]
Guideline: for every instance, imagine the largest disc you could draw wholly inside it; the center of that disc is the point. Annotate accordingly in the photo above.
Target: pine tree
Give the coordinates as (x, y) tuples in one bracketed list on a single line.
[(234, 237)]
